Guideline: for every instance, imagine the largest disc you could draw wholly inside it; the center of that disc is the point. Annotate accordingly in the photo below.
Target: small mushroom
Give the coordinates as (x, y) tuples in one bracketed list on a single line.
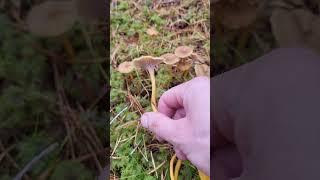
[(183, 51), (149, 64), (170, 58), (51, 18), (184, 65), (125, 67)]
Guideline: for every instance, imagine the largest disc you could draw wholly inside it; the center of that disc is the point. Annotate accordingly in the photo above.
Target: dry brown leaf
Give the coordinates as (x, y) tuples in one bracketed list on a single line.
[(163, 12), (125, 67), (152, 31), (202, 70)]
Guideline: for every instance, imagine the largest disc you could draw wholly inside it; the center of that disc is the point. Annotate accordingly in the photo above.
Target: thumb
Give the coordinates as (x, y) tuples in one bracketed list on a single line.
[(162, 126)]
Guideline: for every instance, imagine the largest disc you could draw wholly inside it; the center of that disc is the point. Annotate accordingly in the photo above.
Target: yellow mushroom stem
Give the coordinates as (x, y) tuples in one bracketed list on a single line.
[(203, 176), (69, 49), (154, 90), (177, 169), (174, 172), (171, 167)]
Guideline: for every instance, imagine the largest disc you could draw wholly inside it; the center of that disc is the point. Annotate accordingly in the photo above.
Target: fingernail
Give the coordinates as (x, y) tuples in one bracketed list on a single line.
[(144, 120)]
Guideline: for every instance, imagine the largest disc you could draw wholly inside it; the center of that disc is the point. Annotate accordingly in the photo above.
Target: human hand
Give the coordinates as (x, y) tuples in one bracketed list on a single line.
[(183, 120)]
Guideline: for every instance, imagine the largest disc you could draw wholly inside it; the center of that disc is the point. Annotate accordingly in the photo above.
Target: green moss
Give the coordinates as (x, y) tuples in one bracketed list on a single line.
[(71, 170)]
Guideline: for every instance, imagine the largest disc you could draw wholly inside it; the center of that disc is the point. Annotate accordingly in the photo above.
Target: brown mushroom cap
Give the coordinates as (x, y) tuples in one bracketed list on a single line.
[(51, 18), (183, 51), (170, 58), (125, 67), (147, 62)]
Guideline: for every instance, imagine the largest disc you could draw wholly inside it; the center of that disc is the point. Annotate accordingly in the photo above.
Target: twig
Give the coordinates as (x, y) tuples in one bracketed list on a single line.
[(119, 114), (154, 164), (134, 149), (6, 151), (94, 157), (61, 97), (92, 130), (155, 169), (117, 143), (13, 162), (97, 145), (35, 160)]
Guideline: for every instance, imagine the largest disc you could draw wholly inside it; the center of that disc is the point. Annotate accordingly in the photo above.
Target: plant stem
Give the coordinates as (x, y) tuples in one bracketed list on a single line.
[(69, 49), (154, 90)]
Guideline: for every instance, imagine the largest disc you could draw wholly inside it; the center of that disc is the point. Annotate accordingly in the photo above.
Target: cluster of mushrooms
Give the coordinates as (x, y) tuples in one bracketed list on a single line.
[(183, 58)]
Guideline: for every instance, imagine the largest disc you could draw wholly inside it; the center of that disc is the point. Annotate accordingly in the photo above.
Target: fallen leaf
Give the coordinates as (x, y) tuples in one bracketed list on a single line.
[(152, 31), (202, 70)]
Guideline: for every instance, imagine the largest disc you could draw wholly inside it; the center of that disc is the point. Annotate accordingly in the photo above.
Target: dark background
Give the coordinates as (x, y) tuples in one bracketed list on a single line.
[(53, 90)]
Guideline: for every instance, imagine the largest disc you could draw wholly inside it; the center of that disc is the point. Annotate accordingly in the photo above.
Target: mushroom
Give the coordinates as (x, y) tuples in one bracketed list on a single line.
[(51, 18), (149, 64), (170, 58), (125, 67), (184, 52), (184, 65)]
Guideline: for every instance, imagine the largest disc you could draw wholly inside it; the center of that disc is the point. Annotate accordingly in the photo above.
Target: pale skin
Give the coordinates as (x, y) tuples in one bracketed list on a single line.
[(265, 124), (183, 119)]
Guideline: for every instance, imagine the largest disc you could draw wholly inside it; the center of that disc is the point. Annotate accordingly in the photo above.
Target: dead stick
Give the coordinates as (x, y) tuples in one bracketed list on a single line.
[(34, 161)]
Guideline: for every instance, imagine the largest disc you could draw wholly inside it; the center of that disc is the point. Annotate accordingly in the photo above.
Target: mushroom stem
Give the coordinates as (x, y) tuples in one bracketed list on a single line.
[(154, 90), (69, 49)]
